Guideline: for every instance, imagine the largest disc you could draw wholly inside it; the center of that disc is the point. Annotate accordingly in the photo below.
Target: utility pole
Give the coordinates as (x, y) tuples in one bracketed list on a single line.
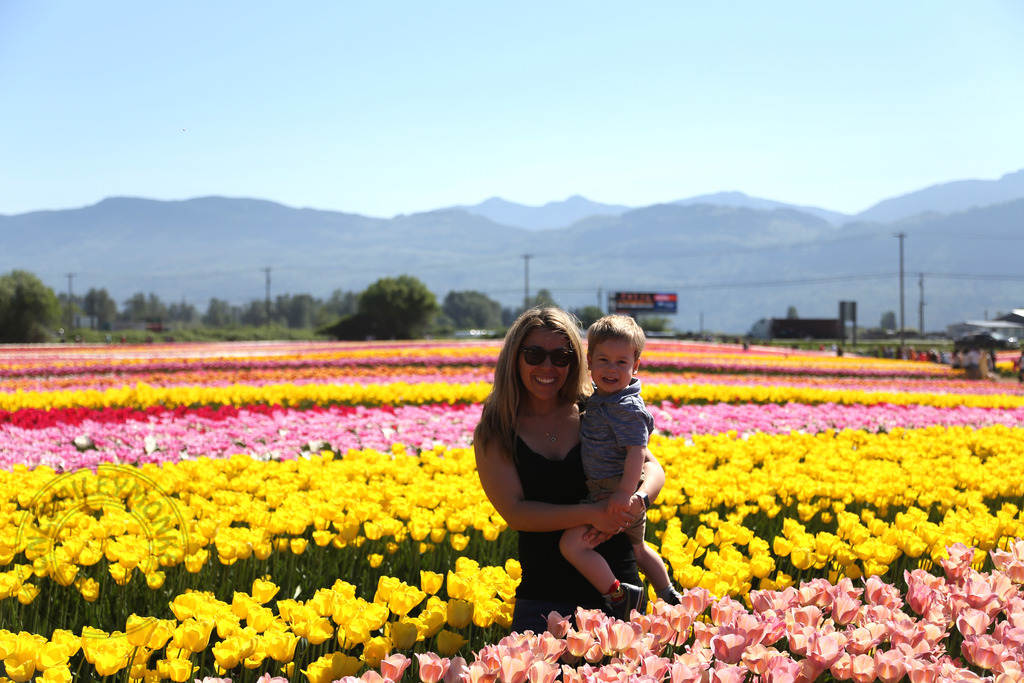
[(71, 310), (267, 271), (526, 280), (901, 236), (920, 304)]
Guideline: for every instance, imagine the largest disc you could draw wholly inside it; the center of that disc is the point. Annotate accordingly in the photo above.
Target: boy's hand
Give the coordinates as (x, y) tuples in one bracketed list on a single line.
[(619, 501)]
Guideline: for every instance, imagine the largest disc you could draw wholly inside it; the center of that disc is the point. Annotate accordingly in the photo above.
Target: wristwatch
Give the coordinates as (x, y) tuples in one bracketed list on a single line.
[(645, 498)]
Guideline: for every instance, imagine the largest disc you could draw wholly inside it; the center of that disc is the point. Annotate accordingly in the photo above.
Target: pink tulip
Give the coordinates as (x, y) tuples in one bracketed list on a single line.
[(725, 610), (815, 592), (800, 639), (921, 672), (616, 636), (1011, 561), (457, 671), (808, 616), (557, 625), (513, 668), (983, 651), (728, 647), (685, 672), (542, 672), (977, 591), (845, 609), (958, 562), (549, 647), (973, 622), (703, 633), (654, 666), (825, 649), (571, 674), (756, 657), (478, 672), (842, 668), (1010, 670), (696, 600), (889, 665), (862, 669), (723, 673), (590, 619), (877, 592), (432, 667), (578, 642), (394, 666), (1010, 636)]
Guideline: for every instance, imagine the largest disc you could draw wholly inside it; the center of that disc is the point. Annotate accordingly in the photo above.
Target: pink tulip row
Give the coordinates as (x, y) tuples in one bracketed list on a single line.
[(267, 434), (158, 436), (894, 385), (968, 628), (782, 418)]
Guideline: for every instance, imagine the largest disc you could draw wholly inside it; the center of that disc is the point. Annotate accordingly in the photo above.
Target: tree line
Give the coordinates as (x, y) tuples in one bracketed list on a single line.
[(390, 308)]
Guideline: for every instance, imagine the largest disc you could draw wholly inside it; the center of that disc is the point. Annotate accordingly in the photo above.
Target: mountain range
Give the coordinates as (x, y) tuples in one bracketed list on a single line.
[(731, 258)]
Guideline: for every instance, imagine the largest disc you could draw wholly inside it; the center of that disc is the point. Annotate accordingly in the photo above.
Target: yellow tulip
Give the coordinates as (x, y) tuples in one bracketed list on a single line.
[(280, 645), (89, 588), (193, 635), (431, 582), (177, 670), (56, 674), (403, 634), (27, 593), (376, 649), (460, 613), (448, 643)]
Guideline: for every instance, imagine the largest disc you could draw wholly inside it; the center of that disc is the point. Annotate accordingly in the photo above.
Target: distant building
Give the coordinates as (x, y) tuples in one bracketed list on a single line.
[(1005, 326)]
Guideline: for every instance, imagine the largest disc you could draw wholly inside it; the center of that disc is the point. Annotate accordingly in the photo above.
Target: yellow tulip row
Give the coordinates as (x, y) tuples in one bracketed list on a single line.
[(397, 393), (247, 633), (737, 514), (834, 504)]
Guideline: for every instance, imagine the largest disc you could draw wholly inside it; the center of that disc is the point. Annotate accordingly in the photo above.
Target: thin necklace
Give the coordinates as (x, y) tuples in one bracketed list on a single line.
[(552, 437)]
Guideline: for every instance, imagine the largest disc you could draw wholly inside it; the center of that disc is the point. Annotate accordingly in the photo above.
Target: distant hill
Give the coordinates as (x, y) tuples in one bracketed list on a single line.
[(551, 215), (940, 199), (738, 199), (730, 265), (948, 198)]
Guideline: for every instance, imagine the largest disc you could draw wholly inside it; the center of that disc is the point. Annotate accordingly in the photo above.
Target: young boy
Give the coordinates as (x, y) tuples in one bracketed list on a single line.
[(615, 429)]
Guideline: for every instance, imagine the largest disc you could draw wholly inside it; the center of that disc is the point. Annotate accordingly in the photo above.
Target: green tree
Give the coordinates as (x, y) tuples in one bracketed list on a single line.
[(888, 321), (472, 310), (588, 315), (220, 313), (97, 303), (398, 308), (653, 323), (542, 298), (791, 313), (298, 312), (28, 308), (140, 308)]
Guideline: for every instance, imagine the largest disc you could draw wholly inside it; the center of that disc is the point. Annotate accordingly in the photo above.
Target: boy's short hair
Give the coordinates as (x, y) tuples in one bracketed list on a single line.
[(617, 327)]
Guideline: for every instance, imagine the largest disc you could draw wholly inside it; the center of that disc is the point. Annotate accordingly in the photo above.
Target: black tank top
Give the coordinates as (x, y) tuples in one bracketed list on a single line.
[(546, 574)]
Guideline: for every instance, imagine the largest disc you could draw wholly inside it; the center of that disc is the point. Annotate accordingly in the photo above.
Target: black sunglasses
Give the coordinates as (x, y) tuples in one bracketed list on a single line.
[(535, 355)]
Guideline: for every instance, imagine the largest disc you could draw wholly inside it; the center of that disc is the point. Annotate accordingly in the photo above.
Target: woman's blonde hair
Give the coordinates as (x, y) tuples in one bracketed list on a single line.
[(500, 408)]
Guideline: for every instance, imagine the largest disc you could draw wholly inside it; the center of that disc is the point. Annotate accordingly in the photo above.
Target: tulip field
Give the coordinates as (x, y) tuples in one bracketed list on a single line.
[(310, 511)]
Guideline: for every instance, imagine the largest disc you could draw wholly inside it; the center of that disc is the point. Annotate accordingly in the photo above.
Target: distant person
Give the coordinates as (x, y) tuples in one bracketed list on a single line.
[(615, 429)]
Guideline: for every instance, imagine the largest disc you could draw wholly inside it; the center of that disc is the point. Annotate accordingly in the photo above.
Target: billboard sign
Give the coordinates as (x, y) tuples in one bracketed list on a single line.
[(644, 302)]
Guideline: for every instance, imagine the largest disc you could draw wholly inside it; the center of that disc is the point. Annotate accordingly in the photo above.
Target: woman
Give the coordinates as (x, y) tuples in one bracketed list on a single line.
[(527, 449)]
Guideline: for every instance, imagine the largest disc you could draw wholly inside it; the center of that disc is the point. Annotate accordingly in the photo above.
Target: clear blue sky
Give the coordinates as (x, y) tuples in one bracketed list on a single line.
[(382, 107)]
